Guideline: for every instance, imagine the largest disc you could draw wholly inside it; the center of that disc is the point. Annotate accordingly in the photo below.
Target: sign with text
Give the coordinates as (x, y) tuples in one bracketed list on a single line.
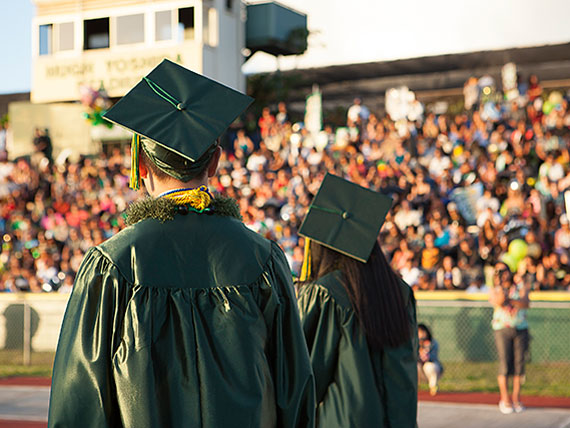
[(59, 78)]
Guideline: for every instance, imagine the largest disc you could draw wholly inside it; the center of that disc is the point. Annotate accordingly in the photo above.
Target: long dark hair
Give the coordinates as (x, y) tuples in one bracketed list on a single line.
[(374, 292)]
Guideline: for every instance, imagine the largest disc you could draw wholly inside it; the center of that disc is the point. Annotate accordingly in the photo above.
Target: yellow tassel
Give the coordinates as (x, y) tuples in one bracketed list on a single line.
[(306, 268), (135, 181)]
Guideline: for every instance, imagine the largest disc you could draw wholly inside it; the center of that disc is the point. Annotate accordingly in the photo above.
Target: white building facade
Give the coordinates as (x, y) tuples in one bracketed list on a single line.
[(111, 45), (114, 43)]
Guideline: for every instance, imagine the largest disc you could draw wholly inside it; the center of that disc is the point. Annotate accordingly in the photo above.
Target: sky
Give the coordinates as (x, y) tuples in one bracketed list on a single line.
[(15, 55), (352, 31)]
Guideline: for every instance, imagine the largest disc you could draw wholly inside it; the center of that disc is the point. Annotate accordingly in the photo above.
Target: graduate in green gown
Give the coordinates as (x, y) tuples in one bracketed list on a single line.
[(186, 318), (358, 316)]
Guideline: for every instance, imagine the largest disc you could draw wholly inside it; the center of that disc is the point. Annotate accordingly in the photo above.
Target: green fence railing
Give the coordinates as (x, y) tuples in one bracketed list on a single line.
[(461, 324), (29, 328)]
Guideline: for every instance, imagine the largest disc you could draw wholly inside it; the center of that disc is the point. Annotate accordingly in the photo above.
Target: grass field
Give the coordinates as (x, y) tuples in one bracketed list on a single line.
[(550, 380), (11, 364)]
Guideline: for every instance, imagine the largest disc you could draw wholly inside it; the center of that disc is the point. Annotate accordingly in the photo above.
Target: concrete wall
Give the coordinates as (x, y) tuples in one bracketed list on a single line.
[(46, 317), (221, 62), (67, 128)]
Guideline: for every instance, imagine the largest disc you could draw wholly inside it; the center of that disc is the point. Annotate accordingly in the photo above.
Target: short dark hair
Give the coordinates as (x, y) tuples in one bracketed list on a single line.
[(156, 171), (160, 174)]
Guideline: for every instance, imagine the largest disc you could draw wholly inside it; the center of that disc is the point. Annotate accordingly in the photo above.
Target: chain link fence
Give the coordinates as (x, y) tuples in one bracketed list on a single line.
[(30, 324), (467, 347)]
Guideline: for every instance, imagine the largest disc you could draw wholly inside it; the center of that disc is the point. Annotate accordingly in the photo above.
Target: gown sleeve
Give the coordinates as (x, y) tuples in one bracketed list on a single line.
[(401, 373), (287, 353), (322, 333), (82, 391)]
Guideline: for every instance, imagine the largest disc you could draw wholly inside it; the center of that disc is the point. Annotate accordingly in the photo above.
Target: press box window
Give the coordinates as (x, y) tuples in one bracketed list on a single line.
[(130, 29), (211, 26), (46, 34), (66, 33), (163, 25), (186, 23), (96, 33)]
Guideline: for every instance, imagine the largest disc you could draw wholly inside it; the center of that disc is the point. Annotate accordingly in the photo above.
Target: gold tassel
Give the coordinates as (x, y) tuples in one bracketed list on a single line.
[(135, 181), (306, 268)]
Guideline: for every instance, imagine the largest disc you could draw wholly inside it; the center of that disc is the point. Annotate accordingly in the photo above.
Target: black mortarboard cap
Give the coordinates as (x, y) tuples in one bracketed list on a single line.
[(178, 109), (346, 217)]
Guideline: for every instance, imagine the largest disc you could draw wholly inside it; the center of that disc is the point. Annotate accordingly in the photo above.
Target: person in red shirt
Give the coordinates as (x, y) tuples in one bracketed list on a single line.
[(266, 121), (75, 216)]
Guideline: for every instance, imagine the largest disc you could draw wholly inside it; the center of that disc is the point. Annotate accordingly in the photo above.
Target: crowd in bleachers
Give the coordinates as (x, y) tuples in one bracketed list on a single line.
[(485, 184), (51, 214)]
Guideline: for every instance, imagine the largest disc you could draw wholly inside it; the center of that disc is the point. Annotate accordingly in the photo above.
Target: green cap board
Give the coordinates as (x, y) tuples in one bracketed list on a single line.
[(178, 109), (346, 217)]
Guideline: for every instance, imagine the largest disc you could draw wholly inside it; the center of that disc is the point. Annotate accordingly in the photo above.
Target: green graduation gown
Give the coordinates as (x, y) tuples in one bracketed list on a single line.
[(188, 323), (356, 386)]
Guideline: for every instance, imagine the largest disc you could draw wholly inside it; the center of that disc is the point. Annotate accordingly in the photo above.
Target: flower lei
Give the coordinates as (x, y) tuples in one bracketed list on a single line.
[(181, 201)]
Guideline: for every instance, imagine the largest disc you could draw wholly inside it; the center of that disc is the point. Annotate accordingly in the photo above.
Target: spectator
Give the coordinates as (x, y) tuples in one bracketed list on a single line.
[(448, 277), (471, 94), (42, 143), (534, 88), (528, 273), (468, 260), (430, 255), (429, 366), (265, 122), (510, 303), (439, 164), (410, 273), (243, 146), (487, 201), (441, 234), (477, 285), (562, 235), (406, 216), (282, 116), (357, 114), (401, 256)]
